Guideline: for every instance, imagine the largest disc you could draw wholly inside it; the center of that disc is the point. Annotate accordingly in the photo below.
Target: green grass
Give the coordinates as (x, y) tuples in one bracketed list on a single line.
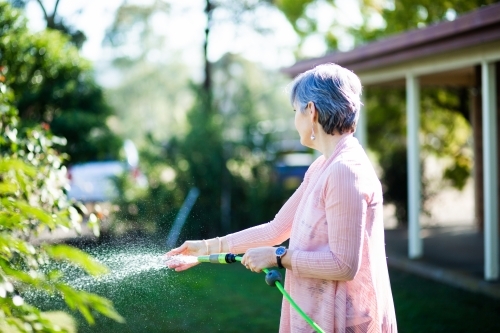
[(228, 298), (427, 306), (206, 298)]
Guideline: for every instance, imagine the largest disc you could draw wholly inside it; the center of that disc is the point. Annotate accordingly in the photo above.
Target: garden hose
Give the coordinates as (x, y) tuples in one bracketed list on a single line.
[(273, 278)]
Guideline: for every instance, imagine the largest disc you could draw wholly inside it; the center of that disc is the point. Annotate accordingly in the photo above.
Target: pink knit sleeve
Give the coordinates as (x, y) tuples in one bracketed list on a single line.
[(271, 233), (345, 209)]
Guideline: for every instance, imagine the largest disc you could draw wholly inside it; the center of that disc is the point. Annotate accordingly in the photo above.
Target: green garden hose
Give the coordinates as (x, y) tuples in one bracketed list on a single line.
[(273, 277)]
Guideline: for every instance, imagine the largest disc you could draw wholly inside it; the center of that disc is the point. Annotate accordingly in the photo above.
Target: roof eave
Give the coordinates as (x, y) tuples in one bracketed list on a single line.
[(480, 26)]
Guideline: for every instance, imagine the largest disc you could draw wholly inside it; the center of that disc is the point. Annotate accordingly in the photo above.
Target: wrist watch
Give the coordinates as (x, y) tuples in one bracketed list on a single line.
[(280, 252)]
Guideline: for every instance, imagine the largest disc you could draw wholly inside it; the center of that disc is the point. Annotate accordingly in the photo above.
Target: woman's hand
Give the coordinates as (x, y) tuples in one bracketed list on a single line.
[(190, 249), (259, 258)]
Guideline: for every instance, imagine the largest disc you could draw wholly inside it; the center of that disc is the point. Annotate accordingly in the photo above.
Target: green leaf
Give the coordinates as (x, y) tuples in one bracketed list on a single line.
[(17, 165), (84, 310), (7, 188), (83, 301), (34, 212), (9, 219), (105, 307), (18, 274), (54, 275), (77, 257), (14, 244), (63, 320)]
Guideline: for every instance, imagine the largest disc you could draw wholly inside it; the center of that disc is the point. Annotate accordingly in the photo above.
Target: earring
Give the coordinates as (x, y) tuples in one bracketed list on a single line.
[(313, 137)]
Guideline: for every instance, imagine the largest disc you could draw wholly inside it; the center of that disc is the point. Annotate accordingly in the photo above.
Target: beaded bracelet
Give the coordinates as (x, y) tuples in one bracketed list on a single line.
[(206, 244)]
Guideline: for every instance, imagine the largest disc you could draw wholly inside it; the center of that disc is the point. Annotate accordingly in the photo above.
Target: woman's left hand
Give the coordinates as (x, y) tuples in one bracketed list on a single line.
[(259, 258)]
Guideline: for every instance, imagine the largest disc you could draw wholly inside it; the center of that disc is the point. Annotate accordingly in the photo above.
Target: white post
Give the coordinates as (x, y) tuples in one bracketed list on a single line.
[(490, 166), (361, 131), (414, 181)]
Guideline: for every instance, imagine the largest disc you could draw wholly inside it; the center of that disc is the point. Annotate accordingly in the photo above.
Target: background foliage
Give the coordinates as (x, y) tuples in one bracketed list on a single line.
[(54, 85), (32, 201), (226, 153)]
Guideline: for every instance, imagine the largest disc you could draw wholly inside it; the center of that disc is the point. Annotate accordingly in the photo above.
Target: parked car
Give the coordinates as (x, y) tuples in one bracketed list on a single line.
[(91, 182)]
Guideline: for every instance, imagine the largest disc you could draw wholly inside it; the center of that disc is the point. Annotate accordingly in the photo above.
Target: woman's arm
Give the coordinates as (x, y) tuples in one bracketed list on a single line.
[(345, 208)]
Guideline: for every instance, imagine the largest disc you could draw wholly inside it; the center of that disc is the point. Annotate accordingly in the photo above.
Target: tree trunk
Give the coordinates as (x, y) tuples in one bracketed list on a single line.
[(207, 85), (50, 19), (225, 205)]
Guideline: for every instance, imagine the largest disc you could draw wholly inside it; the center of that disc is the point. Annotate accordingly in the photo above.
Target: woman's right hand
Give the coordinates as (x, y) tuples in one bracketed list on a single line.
[(190, 249)]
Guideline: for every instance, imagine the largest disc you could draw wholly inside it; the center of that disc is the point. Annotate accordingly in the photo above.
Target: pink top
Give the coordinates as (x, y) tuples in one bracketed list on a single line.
[(334, 220)]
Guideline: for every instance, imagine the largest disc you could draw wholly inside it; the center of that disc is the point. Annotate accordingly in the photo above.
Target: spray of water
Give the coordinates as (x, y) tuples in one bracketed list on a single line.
[(138, 274), (180, 259), (123, 261)]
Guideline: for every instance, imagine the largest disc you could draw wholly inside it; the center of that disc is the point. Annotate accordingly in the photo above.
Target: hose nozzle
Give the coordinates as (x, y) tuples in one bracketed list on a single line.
[(219, 258)]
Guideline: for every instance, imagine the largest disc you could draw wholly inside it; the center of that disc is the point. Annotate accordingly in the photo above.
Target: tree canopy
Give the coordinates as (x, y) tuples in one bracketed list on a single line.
[(54, 85), (379, 18)]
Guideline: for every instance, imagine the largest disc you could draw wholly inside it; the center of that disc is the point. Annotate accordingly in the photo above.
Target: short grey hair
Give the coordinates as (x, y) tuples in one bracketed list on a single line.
[(335, 92)]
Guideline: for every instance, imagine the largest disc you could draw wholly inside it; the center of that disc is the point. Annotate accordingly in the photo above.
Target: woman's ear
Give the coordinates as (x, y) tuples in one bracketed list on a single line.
[(312, 111)]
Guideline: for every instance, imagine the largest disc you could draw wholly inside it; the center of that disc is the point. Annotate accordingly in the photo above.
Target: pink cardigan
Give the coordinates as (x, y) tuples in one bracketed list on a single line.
[(339, 273)]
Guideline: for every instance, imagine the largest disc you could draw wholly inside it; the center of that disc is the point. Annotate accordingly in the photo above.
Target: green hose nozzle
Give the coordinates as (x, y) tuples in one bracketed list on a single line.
[(273, 278), (219, 258)]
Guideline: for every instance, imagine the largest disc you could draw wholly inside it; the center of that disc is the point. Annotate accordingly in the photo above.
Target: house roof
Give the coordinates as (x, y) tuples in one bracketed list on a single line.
[(475, 28)]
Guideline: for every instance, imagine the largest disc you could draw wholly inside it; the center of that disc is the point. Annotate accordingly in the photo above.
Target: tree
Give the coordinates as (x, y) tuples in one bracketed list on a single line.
[(53, 84), (203, 145), (32, 200), (53, 21), (303, 16), (138, 17), (148, 101), (235, 12), (379, 18), (134, 16), (239, 139), (404, 15)]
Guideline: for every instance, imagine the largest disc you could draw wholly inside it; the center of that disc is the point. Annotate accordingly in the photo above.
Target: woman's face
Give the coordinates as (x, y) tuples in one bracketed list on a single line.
[(303, 125)]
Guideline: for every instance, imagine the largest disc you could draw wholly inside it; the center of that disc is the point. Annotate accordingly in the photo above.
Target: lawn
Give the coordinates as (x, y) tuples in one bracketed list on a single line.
[(427, 306), (207, 298), (228, 298)]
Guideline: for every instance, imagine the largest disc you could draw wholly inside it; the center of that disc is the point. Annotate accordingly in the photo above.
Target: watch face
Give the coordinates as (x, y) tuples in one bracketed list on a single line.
[(280, 251)]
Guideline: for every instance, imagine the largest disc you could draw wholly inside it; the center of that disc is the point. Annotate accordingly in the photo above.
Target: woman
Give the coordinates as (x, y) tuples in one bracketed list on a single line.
[(336, 264)]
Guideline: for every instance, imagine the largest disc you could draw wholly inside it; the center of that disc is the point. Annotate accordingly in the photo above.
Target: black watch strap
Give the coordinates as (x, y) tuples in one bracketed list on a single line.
[(278, 259)]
